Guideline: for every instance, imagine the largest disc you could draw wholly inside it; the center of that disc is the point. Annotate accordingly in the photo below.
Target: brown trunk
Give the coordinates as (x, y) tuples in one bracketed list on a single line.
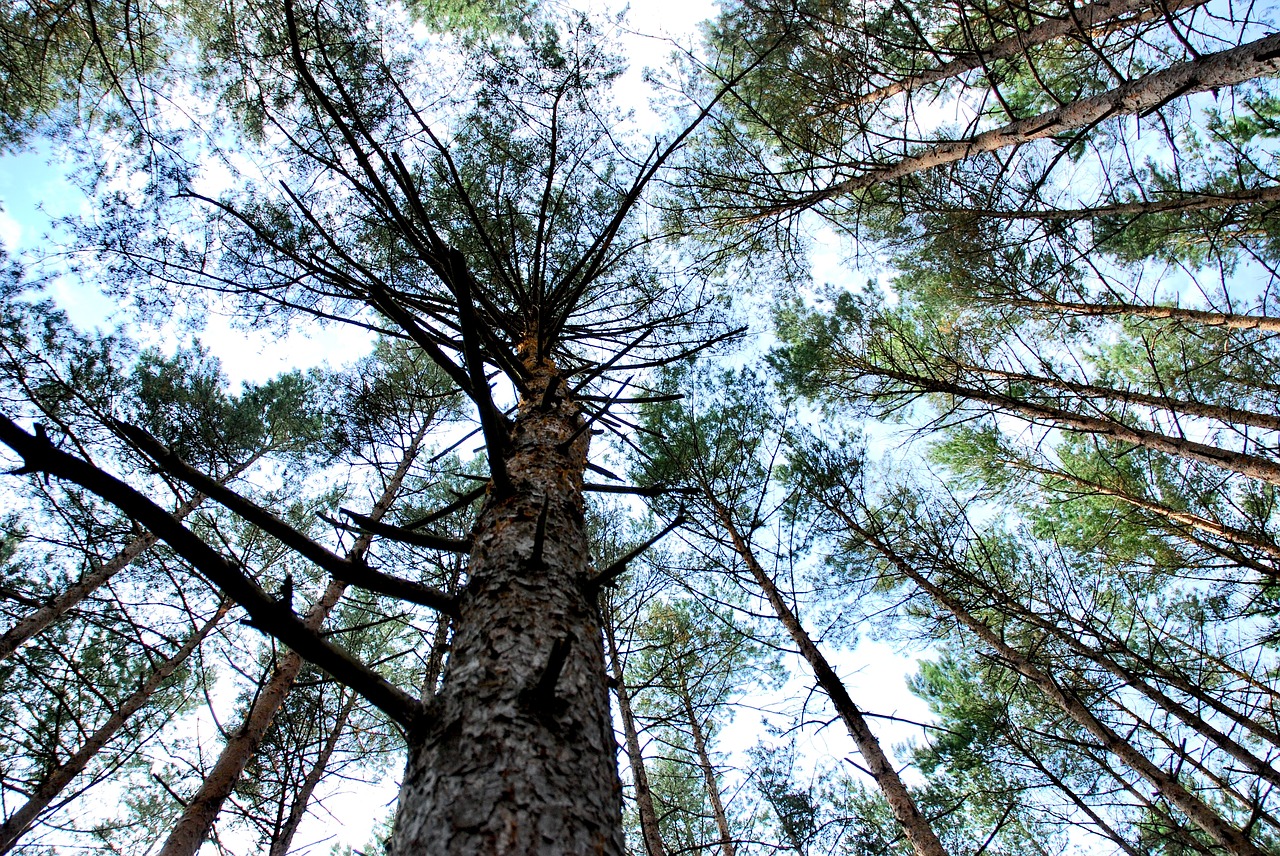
[(37, 621), (1150, 92), (921, 835), (1077, 21), (649, 831), (59, 777), (298, 809), (1231, 321), (1229, 837), (516, 754), (202, 810), (708, 772), (1240, 462)]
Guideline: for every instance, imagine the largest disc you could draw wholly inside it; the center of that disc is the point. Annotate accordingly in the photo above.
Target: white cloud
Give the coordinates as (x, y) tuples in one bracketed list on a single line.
[(10, 232)]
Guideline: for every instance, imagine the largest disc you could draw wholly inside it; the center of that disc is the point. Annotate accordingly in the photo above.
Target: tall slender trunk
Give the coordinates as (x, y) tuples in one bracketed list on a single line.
[(1266, 323), (1075, 798), (649, 830), (1252, 466), (202, 810), (1172, 203), (1229, 837), (1190, 718), (60, 776), (1149, 92), (1236, 536), (516, 754), (708, 771), (1078, 21), (1216, 412), (29, 625), (298, 808), (924, 841)]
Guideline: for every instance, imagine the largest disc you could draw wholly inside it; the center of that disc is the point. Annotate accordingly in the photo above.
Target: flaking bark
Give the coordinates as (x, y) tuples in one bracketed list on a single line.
[(517, 755)]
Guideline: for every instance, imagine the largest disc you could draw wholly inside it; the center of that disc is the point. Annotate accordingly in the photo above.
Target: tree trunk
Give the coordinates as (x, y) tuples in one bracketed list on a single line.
[(1236, 536), (30, 625), (1216, 412), (918, 831), (202, 810), (1233, 840), (1266, 323), (59, 777), (516, 754), (649, 831), (1252, 466), (1077, 21), (708, 771), (1150, 92), (298, 809)]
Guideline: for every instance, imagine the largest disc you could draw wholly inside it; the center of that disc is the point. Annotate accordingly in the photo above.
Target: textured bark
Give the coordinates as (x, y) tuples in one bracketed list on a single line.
[(708, 772), (28, 626), (649, 830), (202, 810), (59, 777), (1230, 838), (517, 754), (1078, 22), (298, 809), (1150, 92), (924, 841)]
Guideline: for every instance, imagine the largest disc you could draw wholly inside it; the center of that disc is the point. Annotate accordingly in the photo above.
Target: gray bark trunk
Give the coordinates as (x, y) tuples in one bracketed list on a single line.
[(1081, 20), (202, 810), (649, 830), (924, 841), (516, 754), (1149, 92), (62, 775)]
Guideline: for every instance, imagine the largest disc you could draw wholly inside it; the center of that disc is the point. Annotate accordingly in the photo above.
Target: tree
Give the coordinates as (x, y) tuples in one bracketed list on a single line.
[(478, 203)]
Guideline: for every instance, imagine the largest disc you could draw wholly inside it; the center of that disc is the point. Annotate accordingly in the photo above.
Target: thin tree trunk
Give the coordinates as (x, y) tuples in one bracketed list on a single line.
[(202, 810), (708, 773), (28, 626), (298, 809), (1236, 536), (1259, 58), (917, 828), (59, 777), (649, 831), (517, 754), (1231, 321), (1229, 837), (1076, 21), (1174, 203), (1075, 798), (1217, 412), (1240, 462), (1018, 611)]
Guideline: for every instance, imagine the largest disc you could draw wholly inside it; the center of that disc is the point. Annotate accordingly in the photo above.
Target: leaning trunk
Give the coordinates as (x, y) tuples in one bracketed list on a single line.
[(516, 753)]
